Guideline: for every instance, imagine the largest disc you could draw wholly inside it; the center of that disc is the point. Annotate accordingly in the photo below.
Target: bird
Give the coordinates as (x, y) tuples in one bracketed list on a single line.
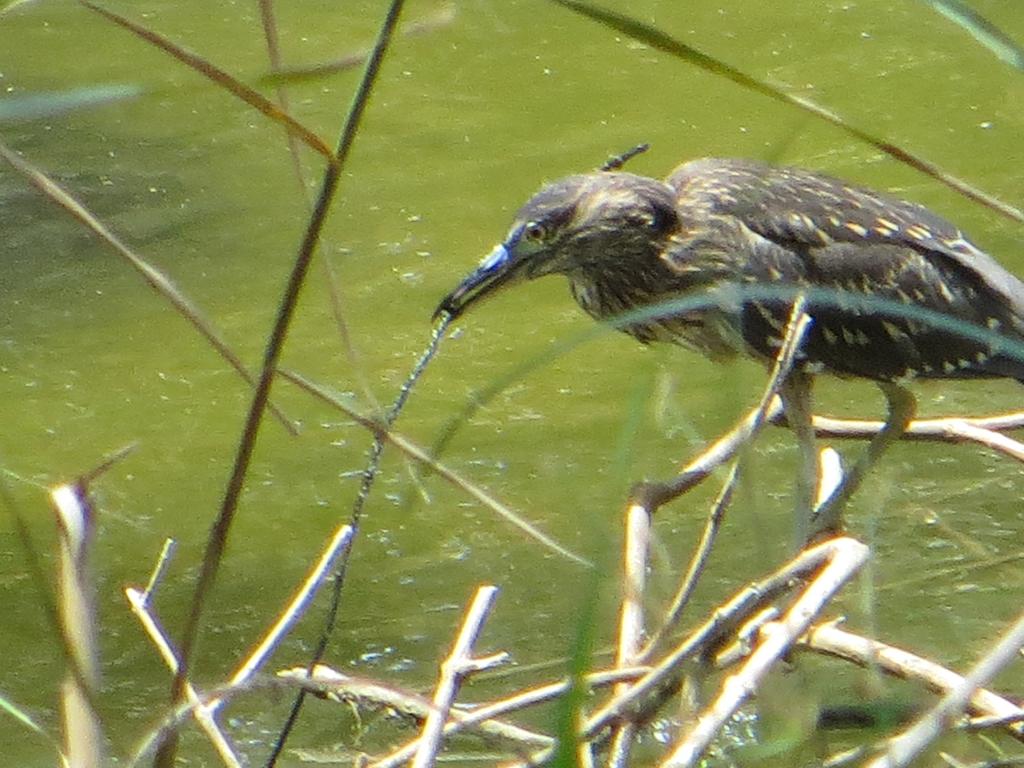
[(739, 229)]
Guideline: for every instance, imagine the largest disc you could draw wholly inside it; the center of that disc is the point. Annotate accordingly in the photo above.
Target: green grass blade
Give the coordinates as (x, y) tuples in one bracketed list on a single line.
[(658, 40), (982, 30), (36, 106), (23, 717)]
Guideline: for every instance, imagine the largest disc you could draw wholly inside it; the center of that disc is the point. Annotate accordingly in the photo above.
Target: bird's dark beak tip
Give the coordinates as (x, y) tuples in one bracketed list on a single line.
[(446, 310)]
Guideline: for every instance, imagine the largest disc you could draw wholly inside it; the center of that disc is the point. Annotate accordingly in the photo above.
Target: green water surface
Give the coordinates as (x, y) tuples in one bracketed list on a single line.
[(469, 118)]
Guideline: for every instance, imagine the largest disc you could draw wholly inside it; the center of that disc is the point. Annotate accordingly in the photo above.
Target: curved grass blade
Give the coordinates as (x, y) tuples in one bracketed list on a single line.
[(441, 18), (422, 458), (217, 539), (221, 78), (156, 279), (12, 4), (658, 40), (981, 29), (23, 717), (20, 109)]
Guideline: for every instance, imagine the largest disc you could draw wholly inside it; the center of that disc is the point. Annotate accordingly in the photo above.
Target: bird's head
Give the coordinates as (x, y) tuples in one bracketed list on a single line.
[(573, 225)]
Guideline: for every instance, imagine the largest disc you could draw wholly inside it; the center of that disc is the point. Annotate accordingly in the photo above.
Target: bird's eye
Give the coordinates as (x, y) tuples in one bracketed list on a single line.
[(535, 232)]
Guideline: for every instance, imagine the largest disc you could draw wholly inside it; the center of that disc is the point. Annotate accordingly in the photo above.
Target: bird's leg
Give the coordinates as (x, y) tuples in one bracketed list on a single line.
[(796, 400), (901, 405)]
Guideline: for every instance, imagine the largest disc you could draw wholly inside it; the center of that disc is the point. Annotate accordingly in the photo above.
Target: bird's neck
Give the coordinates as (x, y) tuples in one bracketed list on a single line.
[(610, 283)]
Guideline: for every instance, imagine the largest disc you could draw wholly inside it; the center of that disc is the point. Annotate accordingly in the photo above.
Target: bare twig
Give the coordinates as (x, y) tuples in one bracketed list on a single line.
[(337, 547), (342, 688), (844, 557), (902, 749), (513, 703), (163, 560), (631, 616), (460, 662), (829, 639), (139, 602), (830, 466), (947, 429), (83, 733)]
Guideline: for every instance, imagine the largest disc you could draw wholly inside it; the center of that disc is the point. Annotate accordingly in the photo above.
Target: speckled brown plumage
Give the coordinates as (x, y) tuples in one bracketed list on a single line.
[(626, 241)]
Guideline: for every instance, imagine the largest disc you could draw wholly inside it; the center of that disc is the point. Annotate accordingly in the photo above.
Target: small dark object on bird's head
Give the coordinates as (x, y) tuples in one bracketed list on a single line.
[(626, 241)]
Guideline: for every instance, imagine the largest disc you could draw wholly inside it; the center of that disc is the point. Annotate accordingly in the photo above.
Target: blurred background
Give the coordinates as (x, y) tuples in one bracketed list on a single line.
[(486, 102)]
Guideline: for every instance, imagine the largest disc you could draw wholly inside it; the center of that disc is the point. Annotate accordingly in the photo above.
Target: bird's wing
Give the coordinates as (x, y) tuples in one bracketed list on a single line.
[(801, 209)]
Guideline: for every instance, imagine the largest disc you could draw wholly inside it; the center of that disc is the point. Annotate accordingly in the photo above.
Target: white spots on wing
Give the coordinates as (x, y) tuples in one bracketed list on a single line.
[(886, 228), (893, 331), (919, 232), (945, 292), (852, 197), (767, 316), (856, 228)]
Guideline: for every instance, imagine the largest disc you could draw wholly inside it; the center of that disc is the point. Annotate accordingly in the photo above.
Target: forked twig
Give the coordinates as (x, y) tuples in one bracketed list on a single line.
[(339, 687), (900, 750), (843, 558), (460, 662), (831, 640), (138, 600), (514, 703)]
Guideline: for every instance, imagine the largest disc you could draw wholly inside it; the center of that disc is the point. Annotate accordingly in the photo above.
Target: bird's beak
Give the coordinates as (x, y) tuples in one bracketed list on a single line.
[(496, 270)]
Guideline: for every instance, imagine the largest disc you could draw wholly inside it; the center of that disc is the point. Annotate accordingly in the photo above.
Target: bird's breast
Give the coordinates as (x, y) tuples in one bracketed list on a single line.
[(690, 320)]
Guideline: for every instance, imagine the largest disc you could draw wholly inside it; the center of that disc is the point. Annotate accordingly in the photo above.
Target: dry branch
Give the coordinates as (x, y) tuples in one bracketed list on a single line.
[(460, 662), (83, 733), (843, 558)]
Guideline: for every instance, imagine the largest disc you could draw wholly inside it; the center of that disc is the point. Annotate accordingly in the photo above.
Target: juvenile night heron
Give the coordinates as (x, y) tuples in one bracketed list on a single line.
[(626, 241)]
